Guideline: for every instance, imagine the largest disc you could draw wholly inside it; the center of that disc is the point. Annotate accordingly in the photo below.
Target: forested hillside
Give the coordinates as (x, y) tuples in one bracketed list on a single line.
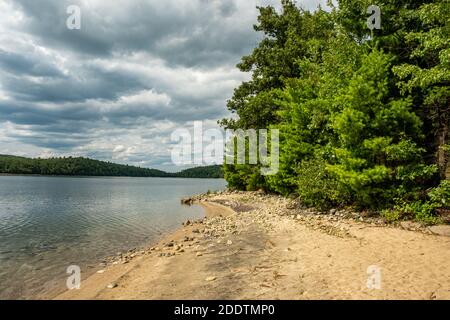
[(363, 114), (88, 167), (214, 171)]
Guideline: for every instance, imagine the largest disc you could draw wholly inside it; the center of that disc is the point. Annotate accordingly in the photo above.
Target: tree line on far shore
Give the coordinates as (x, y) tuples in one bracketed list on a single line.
[(71, 166), (364, 115)]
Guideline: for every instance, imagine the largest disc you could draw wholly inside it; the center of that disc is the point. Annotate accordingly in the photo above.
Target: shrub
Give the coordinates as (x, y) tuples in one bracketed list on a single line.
[(422, 211), (391, 215), (440, 196), (316, 187)]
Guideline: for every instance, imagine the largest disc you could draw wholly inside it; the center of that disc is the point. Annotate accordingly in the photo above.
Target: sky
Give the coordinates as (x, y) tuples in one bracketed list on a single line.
[(118, 87)]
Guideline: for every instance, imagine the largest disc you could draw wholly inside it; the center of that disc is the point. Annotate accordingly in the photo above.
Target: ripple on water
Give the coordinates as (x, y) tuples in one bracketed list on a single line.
[(47, 223)]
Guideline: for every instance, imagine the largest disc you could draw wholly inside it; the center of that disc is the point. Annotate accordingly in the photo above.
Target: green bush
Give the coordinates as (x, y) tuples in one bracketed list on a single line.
[(316, 187), (440, 196), (391, 215), (422, 211)]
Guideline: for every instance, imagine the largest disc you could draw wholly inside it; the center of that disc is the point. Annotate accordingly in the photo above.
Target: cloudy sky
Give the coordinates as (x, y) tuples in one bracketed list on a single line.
[(117, 88)]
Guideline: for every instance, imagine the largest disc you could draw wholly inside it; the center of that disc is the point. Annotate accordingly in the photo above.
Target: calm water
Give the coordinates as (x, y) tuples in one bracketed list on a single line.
[(49, 223)]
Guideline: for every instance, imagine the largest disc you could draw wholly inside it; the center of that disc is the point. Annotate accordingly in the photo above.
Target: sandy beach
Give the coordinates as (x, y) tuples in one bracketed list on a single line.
[(256, 246)]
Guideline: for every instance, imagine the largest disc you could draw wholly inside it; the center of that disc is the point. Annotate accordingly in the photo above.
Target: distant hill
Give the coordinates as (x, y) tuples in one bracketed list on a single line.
[(69, 166), (202, 172)]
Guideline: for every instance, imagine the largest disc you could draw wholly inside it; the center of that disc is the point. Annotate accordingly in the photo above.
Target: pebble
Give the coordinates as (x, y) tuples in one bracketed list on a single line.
[(112, 285), (212, 278)]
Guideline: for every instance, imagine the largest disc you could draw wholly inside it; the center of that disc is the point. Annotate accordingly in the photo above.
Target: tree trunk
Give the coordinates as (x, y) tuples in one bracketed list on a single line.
[(447, 173), (442, 157)]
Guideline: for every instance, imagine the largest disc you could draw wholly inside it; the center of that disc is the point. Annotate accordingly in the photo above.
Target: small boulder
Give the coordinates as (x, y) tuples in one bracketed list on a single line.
[(187, 223), (187, 201), (441, 230), (410, 225)]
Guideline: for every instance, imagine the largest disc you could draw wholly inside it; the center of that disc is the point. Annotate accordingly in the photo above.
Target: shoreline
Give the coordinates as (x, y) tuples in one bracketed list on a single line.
[(211, 210), (254, 246)]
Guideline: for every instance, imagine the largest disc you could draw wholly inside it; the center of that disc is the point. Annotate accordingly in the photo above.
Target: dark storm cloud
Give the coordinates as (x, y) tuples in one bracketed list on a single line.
[(46, 19), (191, 33), (88, 84), (21, 65), (33, 114)]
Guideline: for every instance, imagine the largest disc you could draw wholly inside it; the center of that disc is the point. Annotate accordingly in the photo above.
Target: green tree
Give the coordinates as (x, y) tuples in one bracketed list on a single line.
[(428, 73), (288, 36), (363, 115)]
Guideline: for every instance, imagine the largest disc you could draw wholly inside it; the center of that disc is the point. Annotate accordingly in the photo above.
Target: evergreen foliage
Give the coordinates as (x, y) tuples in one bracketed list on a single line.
[(363, 115)]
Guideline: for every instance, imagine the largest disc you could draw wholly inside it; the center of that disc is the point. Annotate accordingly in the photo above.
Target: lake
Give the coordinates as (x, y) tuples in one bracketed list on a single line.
[(50, 223)]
